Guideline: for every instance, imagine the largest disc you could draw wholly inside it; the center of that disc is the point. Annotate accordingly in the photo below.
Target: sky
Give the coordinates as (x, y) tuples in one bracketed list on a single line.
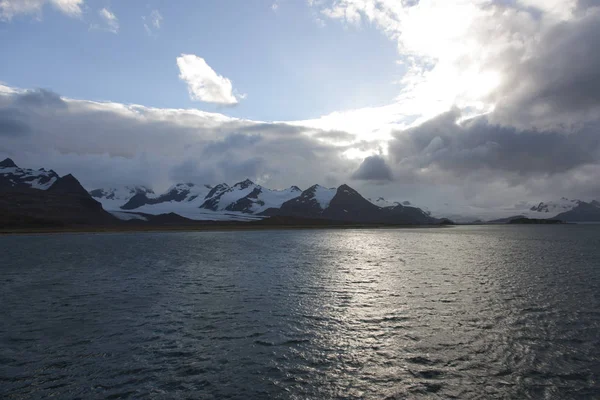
[(470, 107)]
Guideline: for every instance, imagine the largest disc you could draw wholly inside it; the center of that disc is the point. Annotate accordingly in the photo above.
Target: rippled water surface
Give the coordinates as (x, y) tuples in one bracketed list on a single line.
[(465, 312)]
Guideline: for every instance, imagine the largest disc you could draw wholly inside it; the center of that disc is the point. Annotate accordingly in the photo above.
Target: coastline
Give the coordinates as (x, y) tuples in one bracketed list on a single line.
[(217, 227)]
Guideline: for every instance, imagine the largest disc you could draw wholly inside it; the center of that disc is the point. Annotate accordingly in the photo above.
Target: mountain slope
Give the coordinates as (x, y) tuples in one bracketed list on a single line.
[(179, 193), (346, 204), (310, 203), (114, 197), (13, 177), (584, 212), (64, 203)]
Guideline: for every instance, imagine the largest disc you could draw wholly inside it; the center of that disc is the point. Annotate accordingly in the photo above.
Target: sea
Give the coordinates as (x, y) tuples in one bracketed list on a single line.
[(465, 312)]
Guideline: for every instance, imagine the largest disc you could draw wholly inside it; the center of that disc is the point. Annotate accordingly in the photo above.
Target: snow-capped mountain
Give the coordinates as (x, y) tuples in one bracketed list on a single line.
[(242, 201), (11, 176), (182, 193), (247, 197), (247, 200), (383, 203), (310, 203), (346, 204), (555, 207), (113, 198)]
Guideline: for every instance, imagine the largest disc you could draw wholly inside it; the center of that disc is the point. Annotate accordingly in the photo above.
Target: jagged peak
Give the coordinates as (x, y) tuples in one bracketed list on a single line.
[(8, 163), (295, 188), (244, 184), (314, 187)]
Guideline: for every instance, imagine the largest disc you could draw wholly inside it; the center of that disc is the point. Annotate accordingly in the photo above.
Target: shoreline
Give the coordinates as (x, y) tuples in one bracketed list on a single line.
[(201, 228)]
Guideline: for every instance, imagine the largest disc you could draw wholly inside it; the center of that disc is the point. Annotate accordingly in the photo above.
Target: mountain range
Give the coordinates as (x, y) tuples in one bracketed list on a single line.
[(246, 201), (42, 196)]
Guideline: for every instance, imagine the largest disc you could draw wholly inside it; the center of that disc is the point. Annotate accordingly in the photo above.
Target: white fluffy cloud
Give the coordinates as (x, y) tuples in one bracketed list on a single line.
[(457, 52), (12, 8), (110, 22), (204, 84)]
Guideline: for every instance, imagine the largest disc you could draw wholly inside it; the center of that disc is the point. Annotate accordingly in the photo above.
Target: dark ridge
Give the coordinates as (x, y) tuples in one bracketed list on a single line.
[(69, 184), (136, 201), (505, 220), (245, 203), (219, 188), (8, 163), (254, 194)]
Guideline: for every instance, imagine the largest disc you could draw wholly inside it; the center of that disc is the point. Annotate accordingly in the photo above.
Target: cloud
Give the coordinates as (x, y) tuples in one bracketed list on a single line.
[(335, 136), (12, 8), (373, 168), (204, 84), (110, 22), (106, 143), (558, 86), (479, 51), (478, 144), (12, 123), (152, 22), (39, 98)]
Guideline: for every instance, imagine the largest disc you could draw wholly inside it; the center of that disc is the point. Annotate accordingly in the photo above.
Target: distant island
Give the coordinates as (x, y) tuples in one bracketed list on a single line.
[(532, 221)]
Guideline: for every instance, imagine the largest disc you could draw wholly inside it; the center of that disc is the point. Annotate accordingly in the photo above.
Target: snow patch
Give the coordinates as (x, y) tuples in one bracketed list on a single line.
[(324, 196)]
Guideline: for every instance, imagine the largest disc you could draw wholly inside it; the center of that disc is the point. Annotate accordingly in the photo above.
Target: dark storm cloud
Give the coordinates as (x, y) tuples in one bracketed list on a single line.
[(476, 144), (585, 4), (11, 123), (373, 168), (559, 84)]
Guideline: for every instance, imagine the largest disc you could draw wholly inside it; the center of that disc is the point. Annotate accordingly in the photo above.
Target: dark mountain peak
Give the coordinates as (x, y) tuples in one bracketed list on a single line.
[(8, 163), (295, 188), (68, 184), (347, 190), (406, 203), (244, 184)]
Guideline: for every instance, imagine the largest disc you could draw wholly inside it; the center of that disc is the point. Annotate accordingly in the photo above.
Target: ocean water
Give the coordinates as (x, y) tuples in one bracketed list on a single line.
[(466, 312)]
